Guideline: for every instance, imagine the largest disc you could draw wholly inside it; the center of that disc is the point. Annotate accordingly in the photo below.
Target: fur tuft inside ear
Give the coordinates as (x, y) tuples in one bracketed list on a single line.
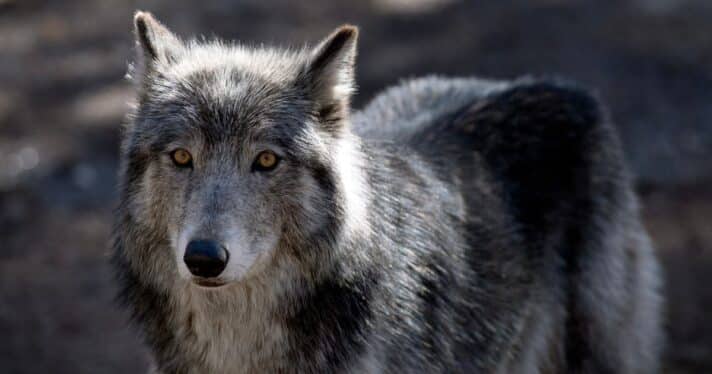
[(156, 43), (330, 72)]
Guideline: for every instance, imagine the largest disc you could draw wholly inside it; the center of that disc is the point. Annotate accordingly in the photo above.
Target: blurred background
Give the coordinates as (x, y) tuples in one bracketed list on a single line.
[(63, 96)]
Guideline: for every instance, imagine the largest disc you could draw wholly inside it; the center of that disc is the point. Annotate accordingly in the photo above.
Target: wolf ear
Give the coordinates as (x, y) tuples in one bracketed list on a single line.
[(156, 43), (329, 73)]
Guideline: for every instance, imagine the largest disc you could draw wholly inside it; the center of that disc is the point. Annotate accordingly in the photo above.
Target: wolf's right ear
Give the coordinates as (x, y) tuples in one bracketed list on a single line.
[(155, 42)]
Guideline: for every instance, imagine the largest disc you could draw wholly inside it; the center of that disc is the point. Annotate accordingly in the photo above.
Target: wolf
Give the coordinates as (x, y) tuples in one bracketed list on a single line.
[(453, 225)]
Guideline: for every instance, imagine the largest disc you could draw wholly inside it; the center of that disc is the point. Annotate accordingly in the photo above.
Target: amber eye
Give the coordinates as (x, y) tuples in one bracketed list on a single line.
[(265, 161), (182, 158)]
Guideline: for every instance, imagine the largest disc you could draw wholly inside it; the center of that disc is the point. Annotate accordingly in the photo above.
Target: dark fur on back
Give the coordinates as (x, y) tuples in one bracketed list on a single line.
[(503, 237)]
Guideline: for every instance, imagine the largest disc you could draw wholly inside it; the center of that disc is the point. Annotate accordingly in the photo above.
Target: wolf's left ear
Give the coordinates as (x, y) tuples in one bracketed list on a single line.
[(329, 73)]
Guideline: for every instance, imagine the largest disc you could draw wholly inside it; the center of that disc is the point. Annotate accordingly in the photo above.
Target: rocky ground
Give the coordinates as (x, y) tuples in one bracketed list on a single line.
[(62, 96)]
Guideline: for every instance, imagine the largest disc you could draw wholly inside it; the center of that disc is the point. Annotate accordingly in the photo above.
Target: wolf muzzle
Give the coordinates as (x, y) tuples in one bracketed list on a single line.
[(206, 258)]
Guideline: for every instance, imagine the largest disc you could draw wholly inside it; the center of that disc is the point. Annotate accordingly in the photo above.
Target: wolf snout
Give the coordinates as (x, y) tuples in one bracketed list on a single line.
[(206, 258)]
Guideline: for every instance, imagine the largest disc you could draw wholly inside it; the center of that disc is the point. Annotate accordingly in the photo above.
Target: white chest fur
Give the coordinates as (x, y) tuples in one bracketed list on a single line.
[(230, 330)]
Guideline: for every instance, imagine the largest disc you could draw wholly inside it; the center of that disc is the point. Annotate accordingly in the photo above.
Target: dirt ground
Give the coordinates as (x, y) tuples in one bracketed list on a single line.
[(62, 97)]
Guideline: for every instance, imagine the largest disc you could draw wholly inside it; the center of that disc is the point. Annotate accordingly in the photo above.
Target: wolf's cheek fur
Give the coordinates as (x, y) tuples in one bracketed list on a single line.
[(155, 203)]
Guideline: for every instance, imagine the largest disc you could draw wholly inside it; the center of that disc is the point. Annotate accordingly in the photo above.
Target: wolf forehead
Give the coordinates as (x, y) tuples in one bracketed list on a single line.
[(206, 86)]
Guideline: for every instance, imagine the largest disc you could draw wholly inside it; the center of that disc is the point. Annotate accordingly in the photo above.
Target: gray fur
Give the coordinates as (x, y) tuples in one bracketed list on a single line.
[(453, 225)]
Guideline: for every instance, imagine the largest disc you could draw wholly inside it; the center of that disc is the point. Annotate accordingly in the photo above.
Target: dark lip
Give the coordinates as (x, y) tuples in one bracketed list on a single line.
[(209, 282)]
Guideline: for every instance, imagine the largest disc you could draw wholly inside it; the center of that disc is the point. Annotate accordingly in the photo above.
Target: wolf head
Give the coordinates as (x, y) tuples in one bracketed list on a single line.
[(236, 156)]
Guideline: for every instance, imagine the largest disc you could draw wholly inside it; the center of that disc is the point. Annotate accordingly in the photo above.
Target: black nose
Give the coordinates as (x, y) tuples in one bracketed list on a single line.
[(205, 258)]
